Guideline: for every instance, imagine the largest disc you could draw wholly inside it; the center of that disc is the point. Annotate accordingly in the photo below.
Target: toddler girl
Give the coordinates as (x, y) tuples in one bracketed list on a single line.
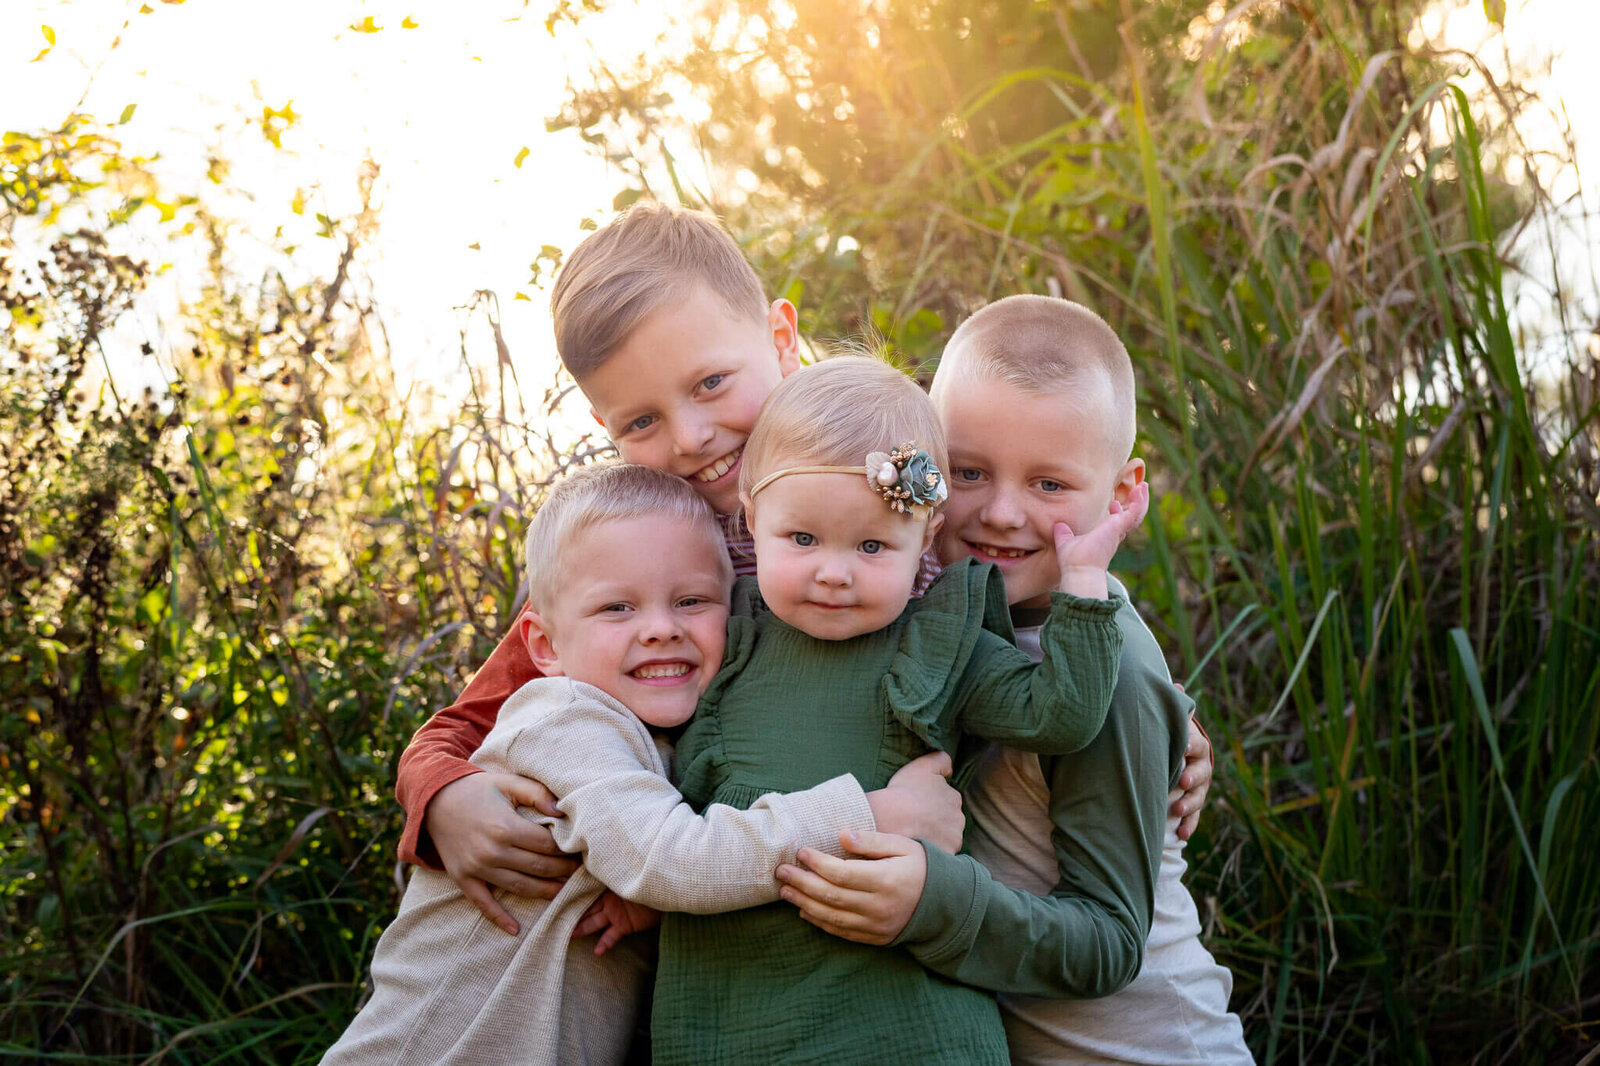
[(833, 667)]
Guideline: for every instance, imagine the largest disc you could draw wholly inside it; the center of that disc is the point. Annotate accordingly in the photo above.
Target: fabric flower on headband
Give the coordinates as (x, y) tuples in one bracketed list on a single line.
[(908, 480)]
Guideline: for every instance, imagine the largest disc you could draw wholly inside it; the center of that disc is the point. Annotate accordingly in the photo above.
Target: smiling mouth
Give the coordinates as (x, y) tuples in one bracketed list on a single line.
[(719, 468), (661, 671), (998, 554)]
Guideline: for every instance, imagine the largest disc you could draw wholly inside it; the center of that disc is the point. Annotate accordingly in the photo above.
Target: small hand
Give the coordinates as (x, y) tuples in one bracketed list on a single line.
[(867, 899), (1194, 782), (617, 917), (1083, 560), (483, 843), (919, 802)]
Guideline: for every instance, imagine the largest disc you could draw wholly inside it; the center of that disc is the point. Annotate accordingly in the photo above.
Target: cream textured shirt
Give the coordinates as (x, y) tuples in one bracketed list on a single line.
[(451, 987)]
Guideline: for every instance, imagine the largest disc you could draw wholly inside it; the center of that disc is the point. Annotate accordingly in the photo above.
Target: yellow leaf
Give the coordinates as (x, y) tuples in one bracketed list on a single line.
[(49, 35), (517, 162), (366, 25), (409, 23)]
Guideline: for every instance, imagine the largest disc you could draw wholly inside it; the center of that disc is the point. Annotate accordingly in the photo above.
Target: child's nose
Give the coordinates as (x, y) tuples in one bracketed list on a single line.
[(659, 627), (1003, 511), (692, 434), (832, 571)]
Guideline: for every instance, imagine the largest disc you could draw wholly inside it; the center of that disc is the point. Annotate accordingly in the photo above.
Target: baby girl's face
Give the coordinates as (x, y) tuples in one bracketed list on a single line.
[(832, 560)]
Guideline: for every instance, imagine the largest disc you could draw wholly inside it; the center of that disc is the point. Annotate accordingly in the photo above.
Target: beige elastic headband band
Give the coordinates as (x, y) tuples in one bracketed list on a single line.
[(776, 474)]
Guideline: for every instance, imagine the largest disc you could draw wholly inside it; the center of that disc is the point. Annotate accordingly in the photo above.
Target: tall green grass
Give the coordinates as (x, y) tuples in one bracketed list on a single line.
[(1377, 540)]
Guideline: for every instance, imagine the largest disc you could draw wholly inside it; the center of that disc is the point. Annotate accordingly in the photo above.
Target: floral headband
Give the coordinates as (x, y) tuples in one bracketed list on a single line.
[(907, 478)]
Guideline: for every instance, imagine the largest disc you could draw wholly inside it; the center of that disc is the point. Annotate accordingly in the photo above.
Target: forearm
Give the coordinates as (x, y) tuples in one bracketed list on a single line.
[(1107, 808), (970, 927), (439, 751), (1060, 704), (724, 858)]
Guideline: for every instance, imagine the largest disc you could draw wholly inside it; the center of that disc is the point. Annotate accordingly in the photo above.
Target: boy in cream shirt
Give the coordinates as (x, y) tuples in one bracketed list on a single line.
[(629, 581)]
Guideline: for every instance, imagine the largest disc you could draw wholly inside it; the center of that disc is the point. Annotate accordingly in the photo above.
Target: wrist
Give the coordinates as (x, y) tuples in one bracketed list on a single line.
[(885, 811), (1086, 582)]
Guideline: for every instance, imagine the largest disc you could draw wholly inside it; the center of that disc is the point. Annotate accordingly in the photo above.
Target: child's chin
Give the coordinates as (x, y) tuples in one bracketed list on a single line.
[(667, 716)]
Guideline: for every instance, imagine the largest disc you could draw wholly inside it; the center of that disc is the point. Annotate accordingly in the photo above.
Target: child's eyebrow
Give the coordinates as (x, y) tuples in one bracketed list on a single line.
[(706, 368)]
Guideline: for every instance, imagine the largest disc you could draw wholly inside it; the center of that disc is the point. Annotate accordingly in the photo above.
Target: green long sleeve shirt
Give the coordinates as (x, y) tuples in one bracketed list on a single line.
[(1108, 815)]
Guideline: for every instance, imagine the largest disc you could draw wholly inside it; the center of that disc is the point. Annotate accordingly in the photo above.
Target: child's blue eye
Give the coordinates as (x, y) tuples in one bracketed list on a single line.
[(804, 540), (871, 547), (615, 607), (712, 382), (967, 473), (1046, 485), (642, 422), (691, 601)]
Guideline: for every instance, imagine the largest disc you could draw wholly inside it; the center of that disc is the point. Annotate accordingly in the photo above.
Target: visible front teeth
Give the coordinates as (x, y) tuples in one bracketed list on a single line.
[(720, 467), (1003, 553), (662, 670)]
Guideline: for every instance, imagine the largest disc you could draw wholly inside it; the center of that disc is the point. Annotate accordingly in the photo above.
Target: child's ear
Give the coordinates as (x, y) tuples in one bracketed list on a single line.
[(749, 509), (596, 416), (541, 647), (1130, 477), (784, 322), (935, 523)]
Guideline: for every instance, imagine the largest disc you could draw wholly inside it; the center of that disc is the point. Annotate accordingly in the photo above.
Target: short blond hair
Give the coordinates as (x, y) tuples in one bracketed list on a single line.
[(608, 492), (834, 413), (1045, 344), (645, 257)]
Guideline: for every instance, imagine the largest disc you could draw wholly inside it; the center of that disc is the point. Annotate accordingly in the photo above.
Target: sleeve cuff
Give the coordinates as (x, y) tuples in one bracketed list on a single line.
[(948, 914), (822, 811), (416, 846), (1065, 605)]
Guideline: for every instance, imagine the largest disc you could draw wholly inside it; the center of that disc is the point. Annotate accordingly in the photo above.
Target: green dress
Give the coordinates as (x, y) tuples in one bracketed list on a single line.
[(788, 711)]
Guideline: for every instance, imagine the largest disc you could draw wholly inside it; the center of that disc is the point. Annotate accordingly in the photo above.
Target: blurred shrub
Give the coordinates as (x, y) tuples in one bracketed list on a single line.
[(225, 606)]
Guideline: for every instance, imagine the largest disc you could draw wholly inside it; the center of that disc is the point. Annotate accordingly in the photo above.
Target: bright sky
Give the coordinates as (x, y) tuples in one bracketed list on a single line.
[(445, 108)]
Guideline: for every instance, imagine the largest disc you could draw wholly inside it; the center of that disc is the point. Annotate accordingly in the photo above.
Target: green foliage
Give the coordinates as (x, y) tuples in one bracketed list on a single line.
[(227, 604), (1378, 513)]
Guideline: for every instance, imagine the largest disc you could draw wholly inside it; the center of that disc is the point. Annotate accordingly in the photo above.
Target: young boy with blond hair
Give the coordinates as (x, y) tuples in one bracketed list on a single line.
[(628, 641), (1036, 396)]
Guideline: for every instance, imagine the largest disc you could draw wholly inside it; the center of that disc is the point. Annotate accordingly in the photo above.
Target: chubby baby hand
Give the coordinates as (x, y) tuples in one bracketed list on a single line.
[(1084, 560), (614, 918)]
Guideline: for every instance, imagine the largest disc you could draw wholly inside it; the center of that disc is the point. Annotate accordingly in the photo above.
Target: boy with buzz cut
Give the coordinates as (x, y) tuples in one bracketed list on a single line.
[(628, 640), (1036, 396)]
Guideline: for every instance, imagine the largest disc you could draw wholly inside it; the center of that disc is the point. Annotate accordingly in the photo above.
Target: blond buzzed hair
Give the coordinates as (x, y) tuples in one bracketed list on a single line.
[(836, 412), (608, 492), (1045, 344), (649, 255)]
